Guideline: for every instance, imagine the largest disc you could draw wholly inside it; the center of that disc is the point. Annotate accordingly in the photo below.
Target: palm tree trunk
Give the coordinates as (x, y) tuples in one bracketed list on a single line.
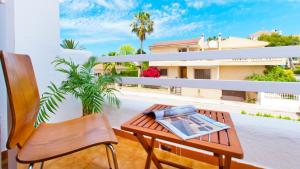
[(141, 49), (84, 110)]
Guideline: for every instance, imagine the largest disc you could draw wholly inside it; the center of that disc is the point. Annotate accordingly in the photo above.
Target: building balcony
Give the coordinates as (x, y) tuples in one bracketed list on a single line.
[(268, 128)]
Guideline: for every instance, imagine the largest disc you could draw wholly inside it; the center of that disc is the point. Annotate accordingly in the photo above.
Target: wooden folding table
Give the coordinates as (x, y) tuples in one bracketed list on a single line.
[(224, 144)]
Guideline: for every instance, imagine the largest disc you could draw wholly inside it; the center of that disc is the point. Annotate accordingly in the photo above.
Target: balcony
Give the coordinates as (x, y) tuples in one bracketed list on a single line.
[(268, 129)]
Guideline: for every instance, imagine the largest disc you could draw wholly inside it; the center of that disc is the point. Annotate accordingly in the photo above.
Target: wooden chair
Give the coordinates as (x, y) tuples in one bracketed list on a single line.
[(48, 141)]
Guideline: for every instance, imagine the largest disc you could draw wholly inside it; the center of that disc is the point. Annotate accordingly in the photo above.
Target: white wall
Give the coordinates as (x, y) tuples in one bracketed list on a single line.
[(6, 43), (71, 107), (32, 27), (268, 100)]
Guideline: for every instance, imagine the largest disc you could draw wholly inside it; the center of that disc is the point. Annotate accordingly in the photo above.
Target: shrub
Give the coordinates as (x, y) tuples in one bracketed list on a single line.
[(243, 112), (151, 72), (259, 114), (297, 71), (286, 118), (274, 73), (298, 119), (129, 73), (251, 100)]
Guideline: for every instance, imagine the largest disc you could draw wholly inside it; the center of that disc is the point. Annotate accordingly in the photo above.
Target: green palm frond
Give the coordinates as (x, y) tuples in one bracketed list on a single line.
[(49, 102), (71, 44), (80, 82), (142, 25)]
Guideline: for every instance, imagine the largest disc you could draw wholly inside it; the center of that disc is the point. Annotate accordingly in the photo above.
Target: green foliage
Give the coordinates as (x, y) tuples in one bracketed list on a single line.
[(212, 38), (129, 73), (71, 44), (145, 65), (276, 39), (251, 100), (142, 25), (113, 53), (297, 71), (274, 73), (49, 102), (268, 115), (111, 66), (243, 112), (286, 118), (80, 82), (126, 49), (140, 51), (259, 114)]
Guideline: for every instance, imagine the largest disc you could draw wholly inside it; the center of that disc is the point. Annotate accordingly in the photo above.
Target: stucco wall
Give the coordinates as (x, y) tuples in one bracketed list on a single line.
[(203, 93), (35, 30), (173, 72), (6, 43), (217, 72), (239, 72), (164, 50)]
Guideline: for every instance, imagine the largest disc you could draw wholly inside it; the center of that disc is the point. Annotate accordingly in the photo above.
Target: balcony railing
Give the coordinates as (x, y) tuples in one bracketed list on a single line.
[(238, 85)]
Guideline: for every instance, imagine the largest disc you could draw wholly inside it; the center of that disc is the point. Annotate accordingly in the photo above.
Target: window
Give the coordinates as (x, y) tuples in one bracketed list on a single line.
[(202, 74), (164, 72), (182, 50)]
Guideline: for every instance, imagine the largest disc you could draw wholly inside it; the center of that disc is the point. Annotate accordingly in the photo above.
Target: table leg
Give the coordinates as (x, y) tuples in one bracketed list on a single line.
[(150, 153), (221, 161), (227, 162), (149, 150)]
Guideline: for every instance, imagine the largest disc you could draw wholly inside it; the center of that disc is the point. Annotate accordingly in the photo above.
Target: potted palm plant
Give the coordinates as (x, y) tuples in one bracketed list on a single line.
[(81, 82)]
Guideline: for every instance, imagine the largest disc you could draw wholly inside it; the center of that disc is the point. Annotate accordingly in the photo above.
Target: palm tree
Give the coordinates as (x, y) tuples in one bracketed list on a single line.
[(71, 44), (141, 25), (126, 49)]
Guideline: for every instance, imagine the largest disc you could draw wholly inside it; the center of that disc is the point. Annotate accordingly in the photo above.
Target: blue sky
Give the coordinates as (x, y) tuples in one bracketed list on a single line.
[(104, 25)]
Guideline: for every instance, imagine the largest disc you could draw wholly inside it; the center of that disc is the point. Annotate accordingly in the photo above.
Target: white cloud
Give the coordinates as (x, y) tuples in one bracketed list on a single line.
[(147, 6), (170, 21), (197, 4), (94, 39), (97, 25), (111, 24), (117, 4), (75, 6)]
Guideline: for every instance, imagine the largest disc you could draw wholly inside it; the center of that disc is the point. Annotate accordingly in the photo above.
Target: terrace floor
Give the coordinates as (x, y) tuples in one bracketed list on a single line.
[(267, 142), (130, 155)]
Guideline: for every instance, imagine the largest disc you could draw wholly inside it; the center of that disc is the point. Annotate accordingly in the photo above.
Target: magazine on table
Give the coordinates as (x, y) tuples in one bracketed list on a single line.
[(185, 122)]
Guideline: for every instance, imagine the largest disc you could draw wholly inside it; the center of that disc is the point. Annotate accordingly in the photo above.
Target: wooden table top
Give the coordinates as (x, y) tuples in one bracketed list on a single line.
[(224, 142)]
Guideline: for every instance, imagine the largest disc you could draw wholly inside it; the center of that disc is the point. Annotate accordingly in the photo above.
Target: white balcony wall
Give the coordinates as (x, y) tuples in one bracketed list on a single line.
[(283, 102), (32, 27)]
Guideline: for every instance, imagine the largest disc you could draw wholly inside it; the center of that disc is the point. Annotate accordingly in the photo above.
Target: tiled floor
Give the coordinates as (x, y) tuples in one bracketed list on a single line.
[(130, 156)]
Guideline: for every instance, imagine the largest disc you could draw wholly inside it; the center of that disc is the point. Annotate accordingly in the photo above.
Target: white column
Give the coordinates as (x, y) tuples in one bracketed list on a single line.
[(220, 41), (32, 27)]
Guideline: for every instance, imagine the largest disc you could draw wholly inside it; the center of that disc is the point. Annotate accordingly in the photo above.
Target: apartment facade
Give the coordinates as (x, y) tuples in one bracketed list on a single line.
[(230, 69)]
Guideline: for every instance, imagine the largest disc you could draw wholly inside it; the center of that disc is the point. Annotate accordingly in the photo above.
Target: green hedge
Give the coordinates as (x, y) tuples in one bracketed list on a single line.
[(297, 71), (129, 73)]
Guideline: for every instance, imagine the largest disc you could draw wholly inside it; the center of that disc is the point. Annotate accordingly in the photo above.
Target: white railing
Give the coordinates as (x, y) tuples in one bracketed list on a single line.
[(256, 60), (239, 85), (285, 96)]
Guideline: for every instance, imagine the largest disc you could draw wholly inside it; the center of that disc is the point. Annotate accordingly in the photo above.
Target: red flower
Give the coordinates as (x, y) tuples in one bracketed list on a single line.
[(151, 72)]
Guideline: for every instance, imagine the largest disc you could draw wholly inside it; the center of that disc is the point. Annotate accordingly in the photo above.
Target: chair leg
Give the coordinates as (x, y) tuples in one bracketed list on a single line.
[(30, 166), (113, 152), (42, 165), (108, 156)]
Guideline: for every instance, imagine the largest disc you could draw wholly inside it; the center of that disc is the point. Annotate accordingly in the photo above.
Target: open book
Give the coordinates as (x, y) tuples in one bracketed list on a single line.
[(185, 122)]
